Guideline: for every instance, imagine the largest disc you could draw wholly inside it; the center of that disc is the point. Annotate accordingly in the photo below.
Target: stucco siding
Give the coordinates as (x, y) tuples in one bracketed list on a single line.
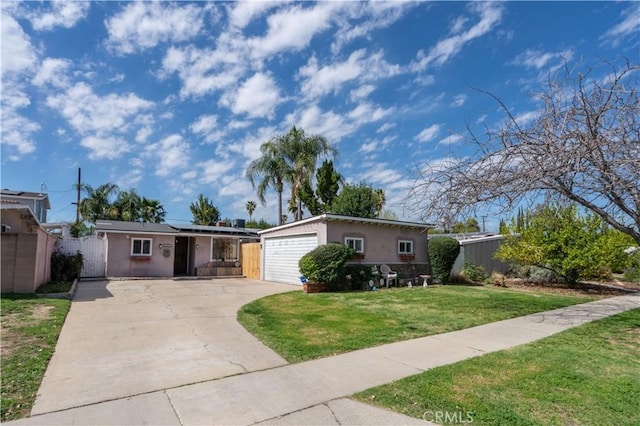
[(120, 263), (380, 242)]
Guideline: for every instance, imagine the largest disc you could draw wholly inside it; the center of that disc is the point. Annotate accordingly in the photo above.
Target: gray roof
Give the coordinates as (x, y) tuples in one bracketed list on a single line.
[(26, 195), (328, 217), (134, 227), (117, 226)]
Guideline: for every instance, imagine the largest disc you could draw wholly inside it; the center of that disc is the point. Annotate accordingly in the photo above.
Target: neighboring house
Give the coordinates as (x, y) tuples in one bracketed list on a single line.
[(401, 245), (480, 250), (161, 250), (26, 249), (38, 203)]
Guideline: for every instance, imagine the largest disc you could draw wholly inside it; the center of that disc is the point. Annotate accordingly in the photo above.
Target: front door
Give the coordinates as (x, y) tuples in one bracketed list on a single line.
[(181, 259)]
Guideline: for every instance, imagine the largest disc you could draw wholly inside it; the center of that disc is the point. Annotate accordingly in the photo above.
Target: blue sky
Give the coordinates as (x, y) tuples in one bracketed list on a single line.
[(174, 99)]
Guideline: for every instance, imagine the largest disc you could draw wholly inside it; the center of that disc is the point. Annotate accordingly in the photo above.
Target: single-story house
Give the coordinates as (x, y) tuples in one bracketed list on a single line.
[(400, 245), (26, 249), (137, 249)]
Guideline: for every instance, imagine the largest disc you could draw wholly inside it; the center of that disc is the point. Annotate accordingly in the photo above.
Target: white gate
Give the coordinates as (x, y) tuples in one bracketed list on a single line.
[(93, 249)]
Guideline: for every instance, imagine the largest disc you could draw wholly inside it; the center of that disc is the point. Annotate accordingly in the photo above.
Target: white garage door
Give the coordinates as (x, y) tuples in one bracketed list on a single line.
[(281, 256)]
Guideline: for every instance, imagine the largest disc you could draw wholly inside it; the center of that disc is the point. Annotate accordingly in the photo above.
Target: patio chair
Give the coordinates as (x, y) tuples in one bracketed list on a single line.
[(388, 274)]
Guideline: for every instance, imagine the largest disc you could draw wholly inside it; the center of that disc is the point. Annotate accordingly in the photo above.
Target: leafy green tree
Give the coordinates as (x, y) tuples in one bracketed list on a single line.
[(251, 207), (470, 225), (260, 224), (204, 212), (328, 181), (356, 200), (559, 239)]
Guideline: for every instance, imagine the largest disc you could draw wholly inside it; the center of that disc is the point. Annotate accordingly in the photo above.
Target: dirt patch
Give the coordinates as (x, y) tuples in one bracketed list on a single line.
[(12, 338), (595, 289)]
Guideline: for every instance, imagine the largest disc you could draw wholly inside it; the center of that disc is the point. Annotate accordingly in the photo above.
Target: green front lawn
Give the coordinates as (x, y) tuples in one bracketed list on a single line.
[(305, 326), (30, 329), (589, 375)]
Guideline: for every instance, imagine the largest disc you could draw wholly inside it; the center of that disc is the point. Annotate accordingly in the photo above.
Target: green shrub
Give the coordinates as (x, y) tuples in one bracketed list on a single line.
[(632, 275), (474, 272), (443, 252), (359, 277), (66, 267), (326, 264)]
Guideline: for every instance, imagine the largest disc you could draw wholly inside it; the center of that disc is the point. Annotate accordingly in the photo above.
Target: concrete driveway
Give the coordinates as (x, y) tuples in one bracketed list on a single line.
[(124, 338)]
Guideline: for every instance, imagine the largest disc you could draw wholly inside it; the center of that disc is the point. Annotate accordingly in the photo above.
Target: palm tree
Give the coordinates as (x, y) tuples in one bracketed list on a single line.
[(251, 207), (128, 205), (301, 153), (97, 204), (268, 171), (204, 212), (151, 211)]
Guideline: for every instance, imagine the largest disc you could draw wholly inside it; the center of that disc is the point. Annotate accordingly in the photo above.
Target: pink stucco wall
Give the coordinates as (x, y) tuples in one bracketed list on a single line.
[(26, 254), (380, 242), (203, 251), (120, 263)]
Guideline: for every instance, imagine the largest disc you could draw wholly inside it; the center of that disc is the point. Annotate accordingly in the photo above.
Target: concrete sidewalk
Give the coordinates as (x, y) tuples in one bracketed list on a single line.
[(311, 392)]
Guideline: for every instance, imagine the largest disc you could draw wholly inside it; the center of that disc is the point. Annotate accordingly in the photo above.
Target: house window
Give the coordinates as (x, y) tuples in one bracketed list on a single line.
[(405, 247), (224, 249), (357, 244), (141, 246)]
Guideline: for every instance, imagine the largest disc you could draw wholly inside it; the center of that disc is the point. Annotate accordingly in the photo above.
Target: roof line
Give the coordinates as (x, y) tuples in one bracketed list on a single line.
[(340, 218)]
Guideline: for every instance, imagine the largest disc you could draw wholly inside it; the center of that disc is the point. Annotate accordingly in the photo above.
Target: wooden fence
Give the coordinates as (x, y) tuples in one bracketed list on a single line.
[(250, 253)]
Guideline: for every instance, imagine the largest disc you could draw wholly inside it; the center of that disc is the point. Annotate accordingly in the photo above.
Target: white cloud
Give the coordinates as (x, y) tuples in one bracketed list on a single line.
[(142, 25), (105, 147), (368, 113), (18, 54), (214, 170), (203, 71), (490, 15), (58, 14), (538, 59), (428, 134), (629, 26), (458, 100), (385, 127), (257, 97), (292, 28), (172, 153), (319, 81), (361, 92), (451, 139), (16, 132), (88, 112), (369, 147), (370, 16), (207, 127), (18, 61), (243, 12), (53, 71)]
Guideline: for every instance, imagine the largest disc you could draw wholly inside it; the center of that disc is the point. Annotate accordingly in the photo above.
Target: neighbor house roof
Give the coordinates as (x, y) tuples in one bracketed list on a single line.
[(30, 216), (327, 217), (26, 196)]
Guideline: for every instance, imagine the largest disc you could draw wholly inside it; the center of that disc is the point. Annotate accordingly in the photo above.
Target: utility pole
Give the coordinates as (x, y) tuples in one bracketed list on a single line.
[(483, 222), (77, 203)]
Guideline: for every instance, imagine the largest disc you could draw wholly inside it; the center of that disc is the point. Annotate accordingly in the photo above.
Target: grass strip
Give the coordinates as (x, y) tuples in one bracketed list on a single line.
[(588, 375), (306, 326), (30, 329)]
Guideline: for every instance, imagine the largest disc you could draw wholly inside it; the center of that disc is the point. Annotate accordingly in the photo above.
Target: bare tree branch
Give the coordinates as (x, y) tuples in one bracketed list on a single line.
[(583, 146)]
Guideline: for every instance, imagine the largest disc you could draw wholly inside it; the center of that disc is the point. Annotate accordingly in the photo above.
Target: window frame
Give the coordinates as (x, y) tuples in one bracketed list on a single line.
[(360, 239), (235, 241), (405, 252), (142, 240)]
